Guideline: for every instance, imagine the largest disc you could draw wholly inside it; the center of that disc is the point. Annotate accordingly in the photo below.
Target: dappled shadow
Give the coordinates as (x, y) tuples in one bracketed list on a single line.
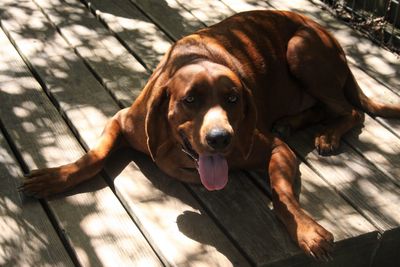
[(244, 216), (159, 199), (170, 16), (43, 139), (26, 235), (379, 63), (86, 106), (353, 177)]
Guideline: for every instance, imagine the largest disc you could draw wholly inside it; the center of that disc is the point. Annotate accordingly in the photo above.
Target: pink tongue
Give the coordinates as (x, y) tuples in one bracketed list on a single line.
[(213, 170)]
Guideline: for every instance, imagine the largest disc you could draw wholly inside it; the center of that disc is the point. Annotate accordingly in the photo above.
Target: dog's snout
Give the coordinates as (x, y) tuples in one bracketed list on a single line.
[(218, 138)]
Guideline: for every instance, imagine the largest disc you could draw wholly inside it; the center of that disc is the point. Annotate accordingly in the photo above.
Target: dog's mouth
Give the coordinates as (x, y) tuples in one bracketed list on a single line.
[(212, 168), (188, 149)]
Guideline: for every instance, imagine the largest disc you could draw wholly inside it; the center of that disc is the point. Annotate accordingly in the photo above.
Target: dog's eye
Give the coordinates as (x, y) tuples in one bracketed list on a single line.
[(189, 99), (232, 99)]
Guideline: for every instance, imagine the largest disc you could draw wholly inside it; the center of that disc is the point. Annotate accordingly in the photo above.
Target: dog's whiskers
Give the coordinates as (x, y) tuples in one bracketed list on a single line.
[(191, 156)]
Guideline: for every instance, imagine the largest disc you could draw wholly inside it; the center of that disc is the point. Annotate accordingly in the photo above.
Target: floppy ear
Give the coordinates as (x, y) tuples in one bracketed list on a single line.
[(156, 125), (248, 124)]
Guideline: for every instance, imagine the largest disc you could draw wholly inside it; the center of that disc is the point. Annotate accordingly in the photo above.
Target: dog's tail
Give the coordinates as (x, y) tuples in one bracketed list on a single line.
[(356, 97)]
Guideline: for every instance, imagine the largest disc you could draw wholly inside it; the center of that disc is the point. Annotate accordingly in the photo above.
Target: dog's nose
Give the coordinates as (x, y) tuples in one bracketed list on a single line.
[(218, 138)]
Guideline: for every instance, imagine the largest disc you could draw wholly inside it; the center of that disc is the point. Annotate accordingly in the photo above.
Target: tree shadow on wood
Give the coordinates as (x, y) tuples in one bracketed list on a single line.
[(240, 210)]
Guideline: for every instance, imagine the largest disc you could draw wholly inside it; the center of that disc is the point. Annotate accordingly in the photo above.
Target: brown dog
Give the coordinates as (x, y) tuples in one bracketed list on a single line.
[(213, 100)]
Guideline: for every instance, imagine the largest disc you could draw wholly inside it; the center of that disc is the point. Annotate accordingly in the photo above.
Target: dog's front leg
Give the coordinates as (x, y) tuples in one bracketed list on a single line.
[(44, 182), (309, 235)]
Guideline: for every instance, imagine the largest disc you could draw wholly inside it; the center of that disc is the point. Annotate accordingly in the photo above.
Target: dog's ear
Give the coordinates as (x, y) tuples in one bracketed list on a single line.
[(248, 125), (156, 125)]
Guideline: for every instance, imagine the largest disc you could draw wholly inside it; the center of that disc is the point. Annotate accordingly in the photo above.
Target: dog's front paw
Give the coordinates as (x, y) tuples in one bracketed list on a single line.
[(327, 143), (48, 181), (314, 240)]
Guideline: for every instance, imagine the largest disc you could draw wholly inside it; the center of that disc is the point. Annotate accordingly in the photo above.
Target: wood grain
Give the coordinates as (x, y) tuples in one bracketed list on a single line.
[(95, 222), (88, 115), (98, 47), (26, 232), (170, 16), (133, 28)]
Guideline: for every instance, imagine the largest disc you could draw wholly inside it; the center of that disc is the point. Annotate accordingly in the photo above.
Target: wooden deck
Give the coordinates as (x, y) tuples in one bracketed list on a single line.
[(66, 66)]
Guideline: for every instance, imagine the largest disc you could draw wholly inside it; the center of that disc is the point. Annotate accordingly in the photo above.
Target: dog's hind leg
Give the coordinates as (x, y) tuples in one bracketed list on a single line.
[(318, 62), (44, 182), (315, 240)]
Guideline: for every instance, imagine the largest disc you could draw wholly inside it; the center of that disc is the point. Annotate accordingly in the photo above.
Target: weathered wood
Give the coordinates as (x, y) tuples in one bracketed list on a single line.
[(268, 244), (26, 234), (99, 234), (169, 215), (243, 211), (379, 146), (118, 70), (170, 17), (352, 175), (354, 235), (379, 92), (209, 12), (159, 225), (372, 193), (134, 29)]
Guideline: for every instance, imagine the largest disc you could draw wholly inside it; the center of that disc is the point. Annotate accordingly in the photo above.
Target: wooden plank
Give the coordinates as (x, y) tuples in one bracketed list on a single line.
[(170, 16), (377, 62), (134, 29), (169, 215), (379, 146), (98, 47), (368, 189), (377, 91), (209, 11), (26, 232), (96, 224), (246, 222), (371, 192), (244, 212), (160, 227), (354, 235)]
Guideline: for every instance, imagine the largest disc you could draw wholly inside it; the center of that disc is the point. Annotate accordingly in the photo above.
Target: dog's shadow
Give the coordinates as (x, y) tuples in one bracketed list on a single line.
[(193, 222)]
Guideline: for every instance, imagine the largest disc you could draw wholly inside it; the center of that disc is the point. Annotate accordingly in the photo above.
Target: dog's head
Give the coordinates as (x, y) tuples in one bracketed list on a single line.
[(207, 109)]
